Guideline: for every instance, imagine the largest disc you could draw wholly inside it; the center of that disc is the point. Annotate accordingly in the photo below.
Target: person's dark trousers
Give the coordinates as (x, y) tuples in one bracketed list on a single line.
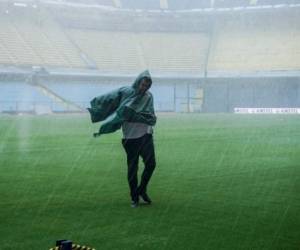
[(134, 148)]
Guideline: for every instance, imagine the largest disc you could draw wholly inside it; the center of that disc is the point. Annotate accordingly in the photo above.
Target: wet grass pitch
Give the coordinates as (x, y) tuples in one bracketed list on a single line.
[(222, 181)]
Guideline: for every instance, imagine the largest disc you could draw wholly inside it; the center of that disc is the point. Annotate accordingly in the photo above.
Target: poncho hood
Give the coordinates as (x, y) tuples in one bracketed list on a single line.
[(123, 104), (140, 77)]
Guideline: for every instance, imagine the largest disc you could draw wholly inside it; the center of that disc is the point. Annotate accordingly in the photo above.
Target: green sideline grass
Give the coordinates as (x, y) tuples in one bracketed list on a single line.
[(222, 182)]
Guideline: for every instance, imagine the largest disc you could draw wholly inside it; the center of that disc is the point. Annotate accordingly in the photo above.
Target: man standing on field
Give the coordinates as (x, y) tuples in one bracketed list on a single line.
[(132, 109)]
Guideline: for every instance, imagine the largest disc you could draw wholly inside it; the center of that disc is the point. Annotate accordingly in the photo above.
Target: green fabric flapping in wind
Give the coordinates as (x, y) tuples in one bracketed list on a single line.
[(123, 104)]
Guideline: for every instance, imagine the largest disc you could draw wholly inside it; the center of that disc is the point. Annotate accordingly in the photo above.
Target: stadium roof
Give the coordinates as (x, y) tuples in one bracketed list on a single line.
[(167, 5), (180, 4)]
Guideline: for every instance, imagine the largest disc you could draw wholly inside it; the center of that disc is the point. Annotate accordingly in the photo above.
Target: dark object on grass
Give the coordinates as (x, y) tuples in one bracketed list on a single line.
[(64, 244), (67, 245)]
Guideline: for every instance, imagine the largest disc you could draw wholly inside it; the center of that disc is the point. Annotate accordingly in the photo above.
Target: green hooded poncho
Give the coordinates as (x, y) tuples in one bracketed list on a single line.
[(123, 104)]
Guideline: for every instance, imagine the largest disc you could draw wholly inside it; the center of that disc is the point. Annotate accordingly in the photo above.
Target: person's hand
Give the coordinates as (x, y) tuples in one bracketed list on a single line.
[(147, 115), (96, 135), (128, 113)]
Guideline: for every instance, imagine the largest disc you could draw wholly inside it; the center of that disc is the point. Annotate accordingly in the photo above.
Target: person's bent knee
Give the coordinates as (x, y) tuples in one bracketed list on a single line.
[(151, 165)]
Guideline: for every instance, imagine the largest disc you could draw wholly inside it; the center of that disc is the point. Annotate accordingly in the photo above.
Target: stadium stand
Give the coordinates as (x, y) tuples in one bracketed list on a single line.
[(249, 42), (174, 52), (33, 41), (256, 43), (6, 57), (132, 52), (11, 41), (111, 51), (80, 47)]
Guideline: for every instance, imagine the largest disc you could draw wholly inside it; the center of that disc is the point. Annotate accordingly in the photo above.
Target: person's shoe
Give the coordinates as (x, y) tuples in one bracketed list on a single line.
[(134, 203), (146, 198)]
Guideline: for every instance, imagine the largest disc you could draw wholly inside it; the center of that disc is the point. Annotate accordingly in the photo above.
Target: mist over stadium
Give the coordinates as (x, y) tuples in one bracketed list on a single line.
[(226, 90)]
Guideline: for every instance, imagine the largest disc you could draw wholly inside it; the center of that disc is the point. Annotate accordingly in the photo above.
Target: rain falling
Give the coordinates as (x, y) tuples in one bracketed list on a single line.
[(149, 124)]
